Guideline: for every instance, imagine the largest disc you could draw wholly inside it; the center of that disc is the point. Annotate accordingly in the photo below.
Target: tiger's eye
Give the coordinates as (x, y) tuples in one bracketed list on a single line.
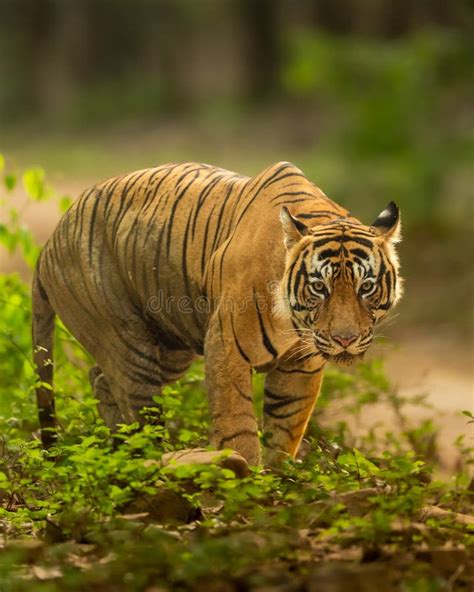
[(319, 286), (366, 286)]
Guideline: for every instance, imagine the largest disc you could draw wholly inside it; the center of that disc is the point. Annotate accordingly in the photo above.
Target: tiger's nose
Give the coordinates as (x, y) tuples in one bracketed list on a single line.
[(344, 340)]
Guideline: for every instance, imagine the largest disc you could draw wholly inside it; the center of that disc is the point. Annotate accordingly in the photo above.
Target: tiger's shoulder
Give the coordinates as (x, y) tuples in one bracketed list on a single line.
[(284, 184)]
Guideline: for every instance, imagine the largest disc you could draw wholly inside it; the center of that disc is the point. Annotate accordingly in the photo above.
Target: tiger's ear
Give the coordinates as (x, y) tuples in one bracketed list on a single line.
[(388, 224), (293, 229)]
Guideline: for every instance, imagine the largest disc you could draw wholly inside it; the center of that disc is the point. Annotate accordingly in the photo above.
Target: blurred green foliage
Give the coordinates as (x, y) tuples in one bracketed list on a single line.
[(401, 130), (367, 119)]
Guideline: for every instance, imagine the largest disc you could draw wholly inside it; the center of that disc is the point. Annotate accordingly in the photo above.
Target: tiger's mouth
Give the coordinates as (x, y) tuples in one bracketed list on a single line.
[(343, 358)]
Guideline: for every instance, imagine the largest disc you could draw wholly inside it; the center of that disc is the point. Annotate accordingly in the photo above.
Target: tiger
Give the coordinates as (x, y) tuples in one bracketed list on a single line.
[(152, 269)]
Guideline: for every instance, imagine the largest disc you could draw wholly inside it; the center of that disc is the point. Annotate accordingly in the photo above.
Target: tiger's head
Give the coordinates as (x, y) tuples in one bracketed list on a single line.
[(341, 278)]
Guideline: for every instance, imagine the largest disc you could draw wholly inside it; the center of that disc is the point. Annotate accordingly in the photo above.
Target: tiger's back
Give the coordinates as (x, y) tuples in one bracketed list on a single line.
[(154, 237)]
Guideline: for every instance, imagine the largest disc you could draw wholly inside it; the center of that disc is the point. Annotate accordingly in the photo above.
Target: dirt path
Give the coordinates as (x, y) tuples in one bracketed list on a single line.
[(444, 369)]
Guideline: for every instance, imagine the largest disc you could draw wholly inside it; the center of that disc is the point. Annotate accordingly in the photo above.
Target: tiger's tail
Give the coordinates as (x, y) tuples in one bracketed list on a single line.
[(43, 342)]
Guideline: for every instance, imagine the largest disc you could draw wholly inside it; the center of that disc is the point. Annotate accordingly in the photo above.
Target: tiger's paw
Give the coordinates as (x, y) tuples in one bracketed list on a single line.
[(274, 458), (229, 459)]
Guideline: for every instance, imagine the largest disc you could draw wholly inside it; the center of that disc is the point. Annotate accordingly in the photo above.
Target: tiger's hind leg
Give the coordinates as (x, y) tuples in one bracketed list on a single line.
[(175, 363), (135, 369), (107, 408), (133, 391)]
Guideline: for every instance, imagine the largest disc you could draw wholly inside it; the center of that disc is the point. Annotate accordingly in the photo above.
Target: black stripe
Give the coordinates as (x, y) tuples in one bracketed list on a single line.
[(343, 239), (289, 201), (141, 215), (219, 228), (143, 378), (382, 270), (283, 428), (242, 393), (79, 217), (388, 285), (321, 214), (266, 341), (155, 193), (206, 236), (133, 180), (281, 401), (173, 369), (241, 351), (227, 413), (299, 307), (290, 276), (274, 415), (297, 371), (360, 253), (202, 196), (273, 177), (174, 208), (234, 227), (184, 263), (329, 253), (357, 231), (187, 168), (288, 193), (91, 228), (141, 354), (264, 185), (185, 275), (236, 435), (301, 275)]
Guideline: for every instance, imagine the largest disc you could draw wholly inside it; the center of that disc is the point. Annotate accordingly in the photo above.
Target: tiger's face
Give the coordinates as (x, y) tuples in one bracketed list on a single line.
[(341, 278)]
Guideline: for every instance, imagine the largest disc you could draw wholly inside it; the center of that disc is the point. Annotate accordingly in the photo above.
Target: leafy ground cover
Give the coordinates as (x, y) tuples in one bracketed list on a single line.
[(103, 513)]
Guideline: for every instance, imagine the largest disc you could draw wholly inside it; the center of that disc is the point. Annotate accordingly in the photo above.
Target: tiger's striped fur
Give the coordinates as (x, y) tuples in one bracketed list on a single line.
[(150, 269)]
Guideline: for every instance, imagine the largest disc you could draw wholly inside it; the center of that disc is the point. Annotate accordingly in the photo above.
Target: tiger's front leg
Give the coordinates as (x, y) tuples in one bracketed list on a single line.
[(291, 392), (228, 378)]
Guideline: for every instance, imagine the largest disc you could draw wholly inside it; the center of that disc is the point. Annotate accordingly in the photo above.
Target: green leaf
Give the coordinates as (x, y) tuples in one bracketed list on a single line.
[(364, 464), (64, 203), (10, 181), (89, 441), (33, 182), (2, 162), (8, 239)]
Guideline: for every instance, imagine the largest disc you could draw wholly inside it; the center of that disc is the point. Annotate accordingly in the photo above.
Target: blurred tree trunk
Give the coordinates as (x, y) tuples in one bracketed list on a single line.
[(389, 18), (27, 27), (59, 75), (166, 38), (333, 15), (261, 36)]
